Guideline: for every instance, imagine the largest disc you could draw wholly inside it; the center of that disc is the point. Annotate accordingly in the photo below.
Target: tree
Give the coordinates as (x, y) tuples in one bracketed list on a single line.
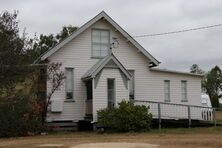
[(46, 42), (18, 53), (42, 44), (213, 85), (55, 79), (13, 51), (66, 31), (195, 69)]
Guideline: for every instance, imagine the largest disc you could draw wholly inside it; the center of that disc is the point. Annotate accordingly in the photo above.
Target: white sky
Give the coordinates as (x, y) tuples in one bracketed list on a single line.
[(177, 51)]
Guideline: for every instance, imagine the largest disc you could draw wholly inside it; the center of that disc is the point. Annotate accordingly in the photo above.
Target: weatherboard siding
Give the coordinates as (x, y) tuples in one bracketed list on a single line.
[(100, 92), (76, 54), (148, 84)]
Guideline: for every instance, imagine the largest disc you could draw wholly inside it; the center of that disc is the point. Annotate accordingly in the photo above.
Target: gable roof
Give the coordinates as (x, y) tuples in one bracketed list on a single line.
[(48, 53), (95, 69)]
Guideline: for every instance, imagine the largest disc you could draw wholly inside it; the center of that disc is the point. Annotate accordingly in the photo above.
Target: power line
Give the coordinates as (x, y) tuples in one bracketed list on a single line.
[(178, 31)]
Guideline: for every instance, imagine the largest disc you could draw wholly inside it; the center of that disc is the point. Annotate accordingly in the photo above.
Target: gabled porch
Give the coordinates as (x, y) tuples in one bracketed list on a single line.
[(106, 84)]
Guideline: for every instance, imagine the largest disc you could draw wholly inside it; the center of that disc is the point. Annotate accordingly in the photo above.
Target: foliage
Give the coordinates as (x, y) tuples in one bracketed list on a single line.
[(46, 42), (213, 85), (18, 85), (65, 32), (20, 116), (21, 109), (41, 44), (126, 117), (195, 69), (18, 52), (12, 51)]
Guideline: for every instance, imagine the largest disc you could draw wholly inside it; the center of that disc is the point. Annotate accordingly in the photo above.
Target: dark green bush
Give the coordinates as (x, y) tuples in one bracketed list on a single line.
[(126, 117), (19, 116)]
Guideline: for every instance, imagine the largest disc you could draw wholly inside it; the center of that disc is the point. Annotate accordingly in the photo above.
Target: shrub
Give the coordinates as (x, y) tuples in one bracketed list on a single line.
[(19, 116), (126, 117)]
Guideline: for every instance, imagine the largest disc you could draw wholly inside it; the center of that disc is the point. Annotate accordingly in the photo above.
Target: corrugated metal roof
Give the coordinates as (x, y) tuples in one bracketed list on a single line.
[(176, 72)]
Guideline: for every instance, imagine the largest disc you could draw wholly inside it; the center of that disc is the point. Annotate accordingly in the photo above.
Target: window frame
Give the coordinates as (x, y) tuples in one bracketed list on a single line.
[(113, 91), (73, 98), (132, 70), (108, 44), (168, 91), (185, 91)]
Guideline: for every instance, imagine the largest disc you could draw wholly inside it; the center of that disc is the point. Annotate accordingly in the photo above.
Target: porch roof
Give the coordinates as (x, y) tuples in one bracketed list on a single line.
[(95, 69)]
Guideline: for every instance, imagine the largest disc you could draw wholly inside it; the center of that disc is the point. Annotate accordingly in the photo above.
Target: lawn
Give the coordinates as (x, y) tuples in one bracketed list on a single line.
[(167, 138)]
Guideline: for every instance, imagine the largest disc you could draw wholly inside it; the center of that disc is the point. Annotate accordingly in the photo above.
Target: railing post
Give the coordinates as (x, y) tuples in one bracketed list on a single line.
[(159, 115), (189, 115), (214, 117)]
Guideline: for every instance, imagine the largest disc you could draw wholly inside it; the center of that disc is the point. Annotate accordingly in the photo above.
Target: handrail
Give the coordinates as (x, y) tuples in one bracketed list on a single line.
[(158, 109), (145, 101)]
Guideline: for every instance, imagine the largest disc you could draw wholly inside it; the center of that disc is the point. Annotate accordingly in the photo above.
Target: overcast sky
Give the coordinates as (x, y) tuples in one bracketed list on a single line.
[(176, 51)]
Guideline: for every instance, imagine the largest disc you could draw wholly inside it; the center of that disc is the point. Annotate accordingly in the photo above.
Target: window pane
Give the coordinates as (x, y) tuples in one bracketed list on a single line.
[(69, 83), (100, 41), (104, 53), (96, 39), (111, 95), (104, 50), (96, 47), (167, 90), (111, 92), (110, 84), (104, 47), (131, 85), (96, 53), (105, 40), (184, 90), (69, 95), (69, 80), (104, 33), (95, 33)]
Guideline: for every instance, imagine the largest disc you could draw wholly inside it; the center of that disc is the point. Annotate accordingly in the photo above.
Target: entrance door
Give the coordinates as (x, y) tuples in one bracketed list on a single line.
[(89, 94), (111, 92)]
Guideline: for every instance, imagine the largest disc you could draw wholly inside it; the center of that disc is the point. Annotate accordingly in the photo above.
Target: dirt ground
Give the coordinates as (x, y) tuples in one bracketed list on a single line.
[(166, 138), (219, 115)]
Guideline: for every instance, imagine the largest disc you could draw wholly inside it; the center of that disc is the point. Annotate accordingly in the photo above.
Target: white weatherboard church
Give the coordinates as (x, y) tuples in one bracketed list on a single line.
[(98, 76)]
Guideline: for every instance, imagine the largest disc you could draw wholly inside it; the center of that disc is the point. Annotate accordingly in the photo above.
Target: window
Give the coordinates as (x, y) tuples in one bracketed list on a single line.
[(167, 90), (184, 91), (69, 83), (131, 85), (100, 43), (111, 92)]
